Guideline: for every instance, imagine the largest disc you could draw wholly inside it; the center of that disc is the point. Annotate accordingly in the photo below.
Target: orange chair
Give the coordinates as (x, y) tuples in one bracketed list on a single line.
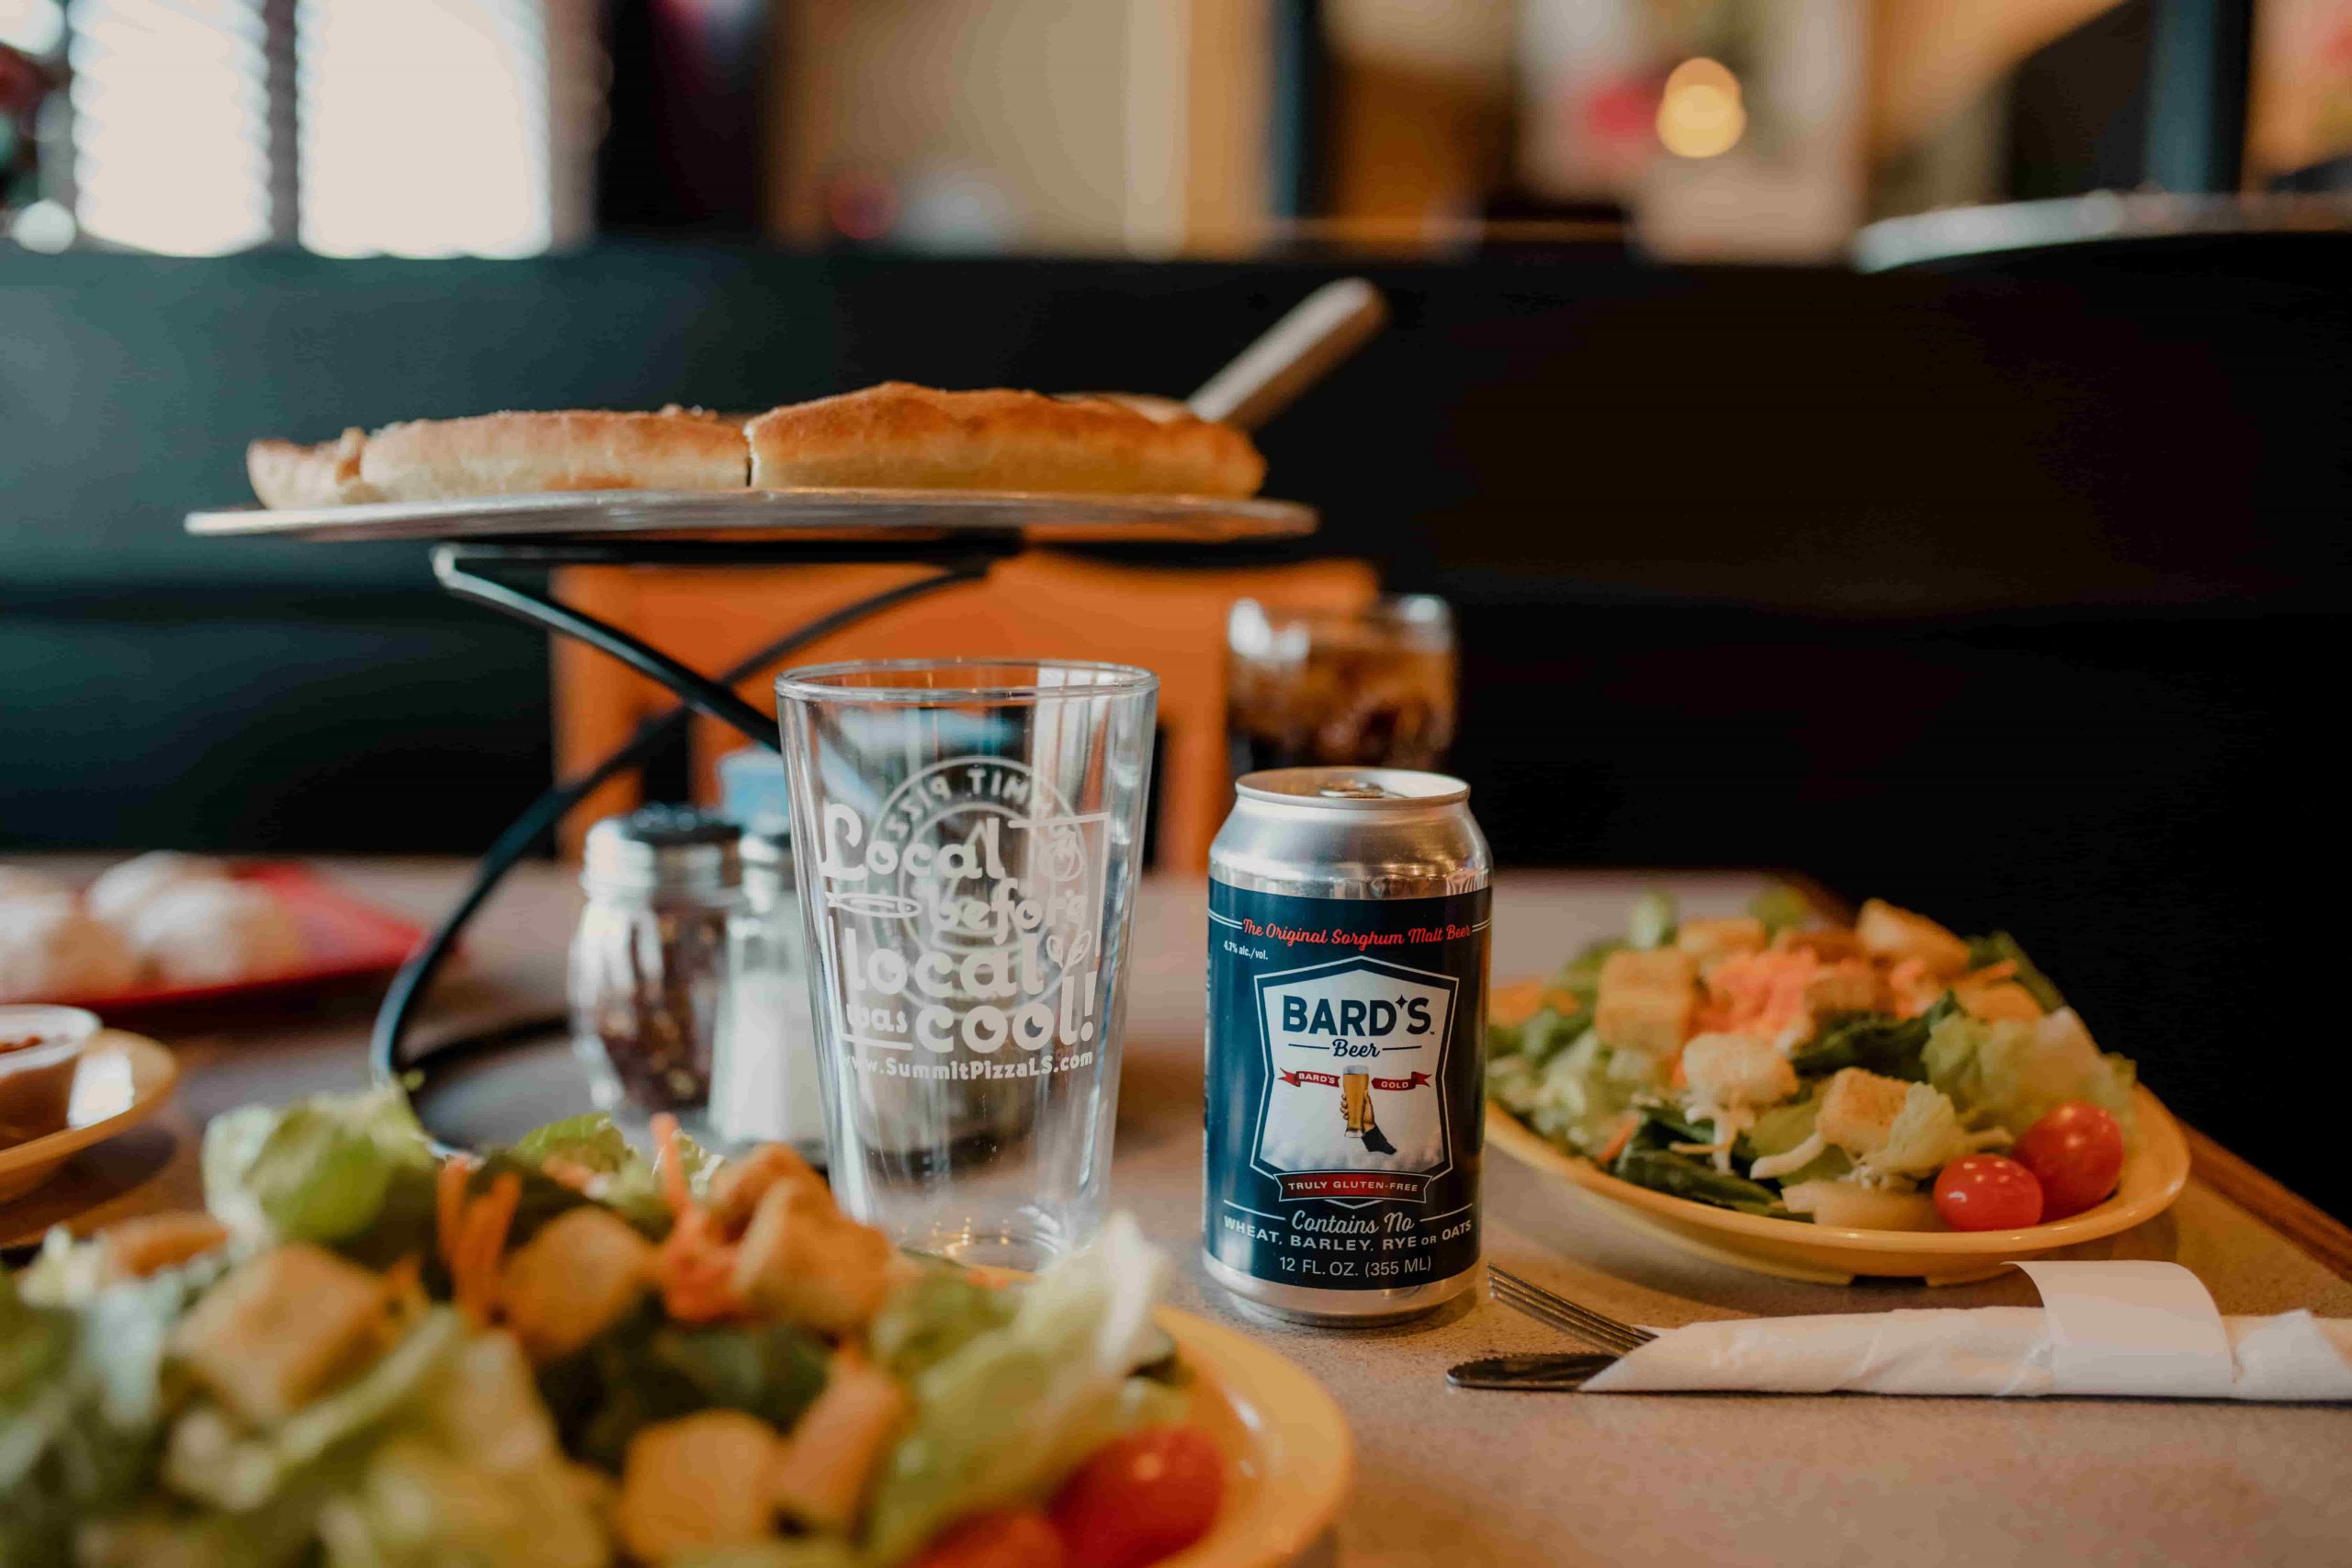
[(1034, 606)]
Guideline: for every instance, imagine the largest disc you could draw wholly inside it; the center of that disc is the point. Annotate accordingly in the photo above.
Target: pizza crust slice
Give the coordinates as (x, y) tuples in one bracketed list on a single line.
[(526, 453), (285, 474), (504, 454), (898, 436)]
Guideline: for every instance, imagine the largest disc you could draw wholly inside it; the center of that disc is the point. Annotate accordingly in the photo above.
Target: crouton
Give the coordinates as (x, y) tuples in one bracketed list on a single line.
[(821, 1473), (149, 1244), (1646, 1000), (1707, 940), (801, 1259), (1731, 1070), (280, 1329), (1858, 1108), (1851, 986), (739, 1184), (694, 1482), (1831, 945), (1998, 1001), (1658, 969), (1888, 933), (578, 1276)]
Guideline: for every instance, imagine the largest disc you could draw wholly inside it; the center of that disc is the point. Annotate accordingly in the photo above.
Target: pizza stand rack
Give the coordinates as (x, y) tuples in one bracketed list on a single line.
[(495, 551)]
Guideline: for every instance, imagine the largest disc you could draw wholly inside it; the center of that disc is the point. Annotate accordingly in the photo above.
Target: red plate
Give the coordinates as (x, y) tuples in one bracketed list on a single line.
[(344, 940)]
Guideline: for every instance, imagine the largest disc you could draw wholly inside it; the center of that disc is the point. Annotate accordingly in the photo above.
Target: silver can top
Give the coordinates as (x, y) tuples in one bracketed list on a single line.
[(1353, 789), (660, 849)]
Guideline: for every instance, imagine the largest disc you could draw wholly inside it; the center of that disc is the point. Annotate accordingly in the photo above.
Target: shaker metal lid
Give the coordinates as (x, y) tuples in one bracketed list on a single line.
[(1353, 789), (663, 848), (767, 843)]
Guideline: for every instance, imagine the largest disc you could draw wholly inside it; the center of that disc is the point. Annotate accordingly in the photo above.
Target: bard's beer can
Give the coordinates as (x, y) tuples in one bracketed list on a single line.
[(1345, 1043)]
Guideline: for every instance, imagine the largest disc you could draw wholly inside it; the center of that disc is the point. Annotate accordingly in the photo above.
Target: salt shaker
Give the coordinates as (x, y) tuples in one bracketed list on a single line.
[(766, 1087), (652, 963)]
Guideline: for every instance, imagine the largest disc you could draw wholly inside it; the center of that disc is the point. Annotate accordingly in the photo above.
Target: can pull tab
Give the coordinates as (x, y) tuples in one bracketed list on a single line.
[(1356, 789)]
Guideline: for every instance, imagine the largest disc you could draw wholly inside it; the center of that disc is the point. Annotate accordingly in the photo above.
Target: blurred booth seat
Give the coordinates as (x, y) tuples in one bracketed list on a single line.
[(1170, 620)]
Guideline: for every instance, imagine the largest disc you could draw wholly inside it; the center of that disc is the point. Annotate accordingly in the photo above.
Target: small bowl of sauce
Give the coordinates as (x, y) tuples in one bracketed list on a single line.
[(41, 1047)]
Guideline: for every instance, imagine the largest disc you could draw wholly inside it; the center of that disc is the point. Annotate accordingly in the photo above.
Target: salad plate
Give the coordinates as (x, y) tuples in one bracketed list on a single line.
[(1826, 1098), (1287, 1449), (1836, 1254), (564, 1353), (120, 1081)]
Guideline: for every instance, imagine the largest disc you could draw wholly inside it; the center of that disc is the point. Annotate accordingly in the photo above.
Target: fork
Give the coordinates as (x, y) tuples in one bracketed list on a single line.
[(1558, 1312)]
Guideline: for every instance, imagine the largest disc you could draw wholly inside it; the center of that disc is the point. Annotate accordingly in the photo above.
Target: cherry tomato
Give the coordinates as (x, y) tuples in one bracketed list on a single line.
[(1014, 1538), (1989, 1192), (1140, 1498), (2076, 1151)]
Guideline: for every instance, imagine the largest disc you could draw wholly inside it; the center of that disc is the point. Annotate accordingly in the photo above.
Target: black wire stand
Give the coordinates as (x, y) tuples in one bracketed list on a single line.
[(494, 552)]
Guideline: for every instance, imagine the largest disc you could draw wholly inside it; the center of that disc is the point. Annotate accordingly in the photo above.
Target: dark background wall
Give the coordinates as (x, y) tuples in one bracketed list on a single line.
[(2011, 594)]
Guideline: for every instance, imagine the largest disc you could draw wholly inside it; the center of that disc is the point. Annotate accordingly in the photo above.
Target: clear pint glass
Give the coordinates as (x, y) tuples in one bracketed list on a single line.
[(971, 833)]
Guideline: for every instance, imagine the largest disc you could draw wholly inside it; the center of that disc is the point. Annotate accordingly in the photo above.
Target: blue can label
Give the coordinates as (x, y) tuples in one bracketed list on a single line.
[(1345, 1087)]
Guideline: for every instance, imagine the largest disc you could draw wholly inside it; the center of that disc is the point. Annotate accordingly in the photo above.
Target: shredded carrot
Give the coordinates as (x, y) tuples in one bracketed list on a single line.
[(697, 1270), (2005, 969), (1757, 993), (670, 1167), (1915, 986), (449, 1204), (1513, 1005), (484, 1239), (1620, 1138)]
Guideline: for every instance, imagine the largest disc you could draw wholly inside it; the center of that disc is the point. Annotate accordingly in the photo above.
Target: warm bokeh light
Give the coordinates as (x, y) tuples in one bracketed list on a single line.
[(1699, 113)]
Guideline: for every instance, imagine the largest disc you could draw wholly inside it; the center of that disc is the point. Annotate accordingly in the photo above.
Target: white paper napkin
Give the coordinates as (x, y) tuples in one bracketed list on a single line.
[(2143, 1329)]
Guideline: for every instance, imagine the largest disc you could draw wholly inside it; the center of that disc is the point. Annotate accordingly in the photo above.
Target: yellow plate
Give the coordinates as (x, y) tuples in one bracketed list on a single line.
[(121, 1080), (2152, 1176), (1287, 1448)]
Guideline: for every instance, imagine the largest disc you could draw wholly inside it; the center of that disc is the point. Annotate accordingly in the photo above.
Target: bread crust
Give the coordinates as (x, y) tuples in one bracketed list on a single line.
[(286, 474), (521, 454), (898, 436)]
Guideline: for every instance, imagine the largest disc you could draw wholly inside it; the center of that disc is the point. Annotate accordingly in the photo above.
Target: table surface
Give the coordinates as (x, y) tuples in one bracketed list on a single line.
[(1471, 1478)]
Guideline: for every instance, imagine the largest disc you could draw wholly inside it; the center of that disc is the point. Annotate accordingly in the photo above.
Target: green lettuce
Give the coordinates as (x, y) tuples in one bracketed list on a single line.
[(1649, 1160), (213, 1459), (1001, 1419), (933, 1316), (1580, 976), (326, 1169), (472, 1475), (79, 1413), (439, 1453), (1686, 1176), (1579, 1096), (1651, 922), (646, 1368), (2010, 1072), (1878, 1042), (625, 1180), (1544, 1035), (2001, 947), (1780, 1128), (1780, 908), (1924, 1136)]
